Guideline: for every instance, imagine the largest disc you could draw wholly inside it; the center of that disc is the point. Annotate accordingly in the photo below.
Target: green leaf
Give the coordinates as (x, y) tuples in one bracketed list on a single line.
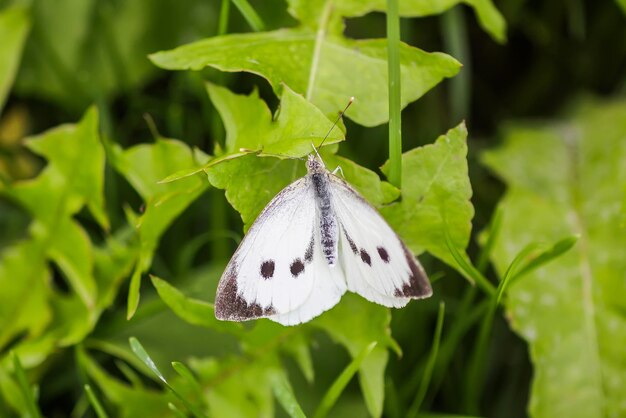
[(235, 391), (251, 182), (82, 51), (309, 11), (355, 323), (313, 67), (73, 177), (565, 179), (143, 166), (14, 27), (436, 194), (622, 5), (23, 303), (335, 390), (249, 124), (193, 311)]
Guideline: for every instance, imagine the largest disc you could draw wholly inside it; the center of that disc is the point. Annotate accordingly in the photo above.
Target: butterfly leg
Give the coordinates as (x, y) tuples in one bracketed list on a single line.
[(338, 169)]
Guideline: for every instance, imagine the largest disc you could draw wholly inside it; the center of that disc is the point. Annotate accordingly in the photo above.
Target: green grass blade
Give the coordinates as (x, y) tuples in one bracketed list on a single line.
[(392, 402), (250, 15), (26, 389), (551, 253), (284, 394), (222, 26), (430, 364), (187, 374), (335, 390), (393, 69), (141, 353), (467, 269), (177, 412), (494, 231), (95, 402)]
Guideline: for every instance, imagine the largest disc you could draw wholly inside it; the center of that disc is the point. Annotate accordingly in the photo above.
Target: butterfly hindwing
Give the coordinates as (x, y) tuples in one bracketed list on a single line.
[(279, 271), (376, 263)]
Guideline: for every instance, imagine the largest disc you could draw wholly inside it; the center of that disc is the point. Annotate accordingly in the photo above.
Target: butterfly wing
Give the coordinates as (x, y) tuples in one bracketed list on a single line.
[(376, 263), (279, 271)]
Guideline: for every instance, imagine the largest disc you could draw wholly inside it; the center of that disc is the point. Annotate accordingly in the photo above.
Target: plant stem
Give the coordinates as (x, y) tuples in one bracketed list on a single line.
[(393, 68)]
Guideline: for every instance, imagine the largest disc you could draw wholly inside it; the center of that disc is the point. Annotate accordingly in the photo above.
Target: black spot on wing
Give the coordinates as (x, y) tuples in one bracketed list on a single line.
[(384, 255), (366, 257), (231, 306), (308, 255), (417, 285), (267, 269), (296, 268), (350, 242)]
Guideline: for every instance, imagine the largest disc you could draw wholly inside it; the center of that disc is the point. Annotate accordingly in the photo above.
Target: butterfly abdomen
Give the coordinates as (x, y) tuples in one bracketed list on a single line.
[(329, 230)]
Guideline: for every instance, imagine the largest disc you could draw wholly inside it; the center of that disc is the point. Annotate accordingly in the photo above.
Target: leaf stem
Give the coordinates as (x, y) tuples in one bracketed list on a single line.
[(430, 365), (455, 42), (222, 26), (393, 69)]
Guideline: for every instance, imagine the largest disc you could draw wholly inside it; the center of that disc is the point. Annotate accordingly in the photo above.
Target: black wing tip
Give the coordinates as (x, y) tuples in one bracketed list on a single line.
[(418, 286), (230, 306)]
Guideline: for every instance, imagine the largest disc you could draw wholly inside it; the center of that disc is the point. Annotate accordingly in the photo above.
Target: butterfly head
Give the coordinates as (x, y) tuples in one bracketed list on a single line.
[(314, 164)]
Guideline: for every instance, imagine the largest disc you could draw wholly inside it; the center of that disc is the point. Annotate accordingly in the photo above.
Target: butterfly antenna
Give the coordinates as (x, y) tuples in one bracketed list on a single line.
[(334, 124)]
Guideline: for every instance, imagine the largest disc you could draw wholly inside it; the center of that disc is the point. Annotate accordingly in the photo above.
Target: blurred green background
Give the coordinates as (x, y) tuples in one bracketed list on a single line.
[(560, 73)]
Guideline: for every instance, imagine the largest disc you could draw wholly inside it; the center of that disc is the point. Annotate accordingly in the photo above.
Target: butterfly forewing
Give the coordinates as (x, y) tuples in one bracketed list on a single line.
[(278, 270), (376, 263)]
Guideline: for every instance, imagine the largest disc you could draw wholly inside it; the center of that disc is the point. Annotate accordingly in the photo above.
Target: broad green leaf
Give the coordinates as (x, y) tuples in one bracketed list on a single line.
[(238, 388), (312, 65), (249, 124), (564, 179), (355, 323), (251, 182), (143, 166), (193, 311), (73, 177), (310, 11), (14, 27), (81, 51), (250, 128), (436, 194), (23, 302)]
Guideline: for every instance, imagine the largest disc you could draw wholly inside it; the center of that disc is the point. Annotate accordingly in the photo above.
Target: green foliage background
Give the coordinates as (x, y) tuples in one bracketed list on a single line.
[(113, 235)]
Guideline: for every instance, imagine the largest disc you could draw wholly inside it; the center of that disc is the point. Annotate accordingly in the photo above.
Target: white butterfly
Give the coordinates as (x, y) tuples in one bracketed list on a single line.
[(316, 239)]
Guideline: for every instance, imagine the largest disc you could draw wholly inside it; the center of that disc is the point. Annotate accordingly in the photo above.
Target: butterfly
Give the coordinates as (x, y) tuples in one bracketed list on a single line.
[(316, 239)]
